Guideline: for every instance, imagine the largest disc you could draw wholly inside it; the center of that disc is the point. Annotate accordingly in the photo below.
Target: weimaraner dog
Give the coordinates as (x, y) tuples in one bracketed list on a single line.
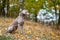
[(18, 22)]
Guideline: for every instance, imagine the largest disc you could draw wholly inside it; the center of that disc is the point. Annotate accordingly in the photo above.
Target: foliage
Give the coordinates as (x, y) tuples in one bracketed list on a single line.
[(13, 11), (32, 6)]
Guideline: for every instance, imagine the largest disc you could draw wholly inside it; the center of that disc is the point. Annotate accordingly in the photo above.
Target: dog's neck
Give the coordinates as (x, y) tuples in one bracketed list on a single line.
[(21, 15)]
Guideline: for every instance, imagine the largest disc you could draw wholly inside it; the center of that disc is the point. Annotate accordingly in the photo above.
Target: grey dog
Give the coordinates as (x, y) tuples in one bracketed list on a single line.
[(18, 22)]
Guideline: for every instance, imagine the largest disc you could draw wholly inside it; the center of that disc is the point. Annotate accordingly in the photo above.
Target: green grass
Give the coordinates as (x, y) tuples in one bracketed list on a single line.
[(5, 38)]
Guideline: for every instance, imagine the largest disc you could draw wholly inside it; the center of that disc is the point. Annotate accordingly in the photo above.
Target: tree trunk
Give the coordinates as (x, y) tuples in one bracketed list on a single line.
[(3, 6), (59, 20), (7, 8), (35, 17), (22, 5)]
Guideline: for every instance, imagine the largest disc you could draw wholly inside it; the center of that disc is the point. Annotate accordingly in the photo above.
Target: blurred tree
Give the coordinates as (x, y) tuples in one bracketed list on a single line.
[(7, 3), (58, 2), (59, 19), (21, 4), (0, 7), (33, 6), (3, 6)]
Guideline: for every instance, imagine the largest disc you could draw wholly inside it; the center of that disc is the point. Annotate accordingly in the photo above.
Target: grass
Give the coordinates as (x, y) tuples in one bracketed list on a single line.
[(5, 38), (32, 31)]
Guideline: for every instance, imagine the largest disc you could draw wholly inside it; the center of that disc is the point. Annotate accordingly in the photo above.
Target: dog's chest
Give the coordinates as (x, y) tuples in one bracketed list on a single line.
[(22, 23), (20, 19)]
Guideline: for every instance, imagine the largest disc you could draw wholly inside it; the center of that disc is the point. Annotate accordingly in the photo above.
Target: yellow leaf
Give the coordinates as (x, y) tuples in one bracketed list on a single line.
[(22, 36), (17, 35), (44, 34), (0, 33), (52, 33), (28, 32), (57, 36)]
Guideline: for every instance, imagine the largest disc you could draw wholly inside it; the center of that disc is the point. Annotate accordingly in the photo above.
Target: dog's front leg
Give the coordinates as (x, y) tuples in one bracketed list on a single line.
[(20, 28)]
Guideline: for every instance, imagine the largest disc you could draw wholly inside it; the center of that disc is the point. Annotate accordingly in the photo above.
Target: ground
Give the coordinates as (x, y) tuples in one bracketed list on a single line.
[(32, 31)]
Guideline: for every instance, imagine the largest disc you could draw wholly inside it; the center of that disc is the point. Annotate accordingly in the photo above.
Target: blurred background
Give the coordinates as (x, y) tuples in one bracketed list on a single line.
[(41, 11)]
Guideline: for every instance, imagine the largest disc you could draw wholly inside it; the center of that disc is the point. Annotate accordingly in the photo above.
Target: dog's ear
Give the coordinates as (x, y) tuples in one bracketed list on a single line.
[(23, 14)]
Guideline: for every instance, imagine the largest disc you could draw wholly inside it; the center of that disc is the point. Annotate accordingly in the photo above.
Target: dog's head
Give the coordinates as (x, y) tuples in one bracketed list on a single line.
[(25, 13)]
